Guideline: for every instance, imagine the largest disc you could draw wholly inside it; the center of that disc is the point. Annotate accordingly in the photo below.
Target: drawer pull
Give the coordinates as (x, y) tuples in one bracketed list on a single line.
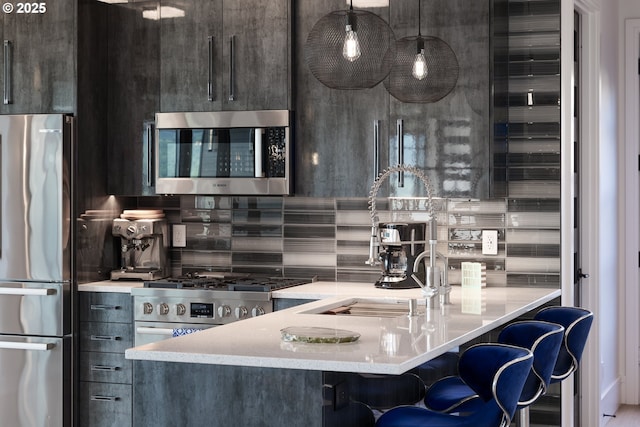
[(104, 368), (101, 398), (104, 338), (105, 307)]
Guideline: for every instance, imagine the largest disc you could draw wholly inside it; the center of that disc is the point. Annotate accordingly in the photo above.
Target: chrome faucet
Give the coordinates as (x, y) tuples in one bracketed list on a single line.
[(436, 285)]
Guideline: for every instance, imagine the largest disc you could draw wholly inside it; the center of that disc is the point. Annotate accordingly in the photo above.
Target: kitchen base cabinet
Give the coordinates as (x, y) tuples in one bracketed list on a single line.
[(105, 376), (185, 394)]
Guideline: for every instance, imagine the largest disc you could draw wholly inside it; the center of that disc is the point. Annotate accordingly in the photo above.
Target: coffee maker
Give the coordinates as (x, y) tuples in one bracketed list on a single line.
[(144, 248), (399, 245)]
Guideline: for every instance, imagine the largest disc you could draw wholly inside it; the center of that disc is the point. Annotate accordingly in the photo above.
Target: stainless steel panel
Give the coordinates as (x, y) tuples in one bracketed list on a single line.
[(35, 194), (223, 119), (28, 308), (34, 385)]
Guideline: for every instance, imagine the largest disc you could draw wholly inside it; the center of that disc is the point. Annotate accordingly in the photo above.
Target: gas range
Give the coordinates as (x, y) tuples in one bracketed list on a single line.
[(200, 301)]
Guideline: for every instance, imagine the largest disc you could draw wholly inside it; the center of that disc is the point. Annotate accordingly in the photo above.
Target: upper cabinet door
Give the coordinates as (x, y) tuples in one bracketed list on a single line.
[(38, 61), (256, 55), (225, 55)]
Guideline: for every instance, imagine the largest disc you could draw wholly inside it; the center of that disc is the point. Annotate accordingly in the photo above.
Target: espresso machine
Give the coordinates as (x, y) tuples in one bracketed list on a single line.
[(399, 245), (144, 248)]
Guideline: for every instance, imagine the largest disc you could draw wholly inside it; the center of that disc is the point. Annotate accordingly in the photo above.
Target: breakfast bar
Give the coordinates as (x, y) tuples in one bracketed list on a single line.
[(252, 358)]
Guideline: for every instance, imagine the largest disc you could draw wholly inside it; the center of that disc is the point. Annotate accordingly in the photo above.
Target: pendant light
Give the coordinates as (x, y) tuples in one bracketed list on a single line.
[(350, 49), (425, 68)]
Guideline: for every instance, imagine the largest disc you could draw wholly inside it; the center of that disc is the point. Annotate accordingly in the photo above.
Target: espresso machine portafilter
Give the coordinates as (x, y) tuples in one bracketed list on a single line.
[(143, 248)]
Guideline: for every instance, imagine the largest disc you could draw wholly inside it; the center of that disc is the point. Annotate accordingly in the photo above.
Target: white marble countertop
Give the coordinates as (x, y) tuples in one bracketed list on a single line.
[(122, 286), (386, 345)]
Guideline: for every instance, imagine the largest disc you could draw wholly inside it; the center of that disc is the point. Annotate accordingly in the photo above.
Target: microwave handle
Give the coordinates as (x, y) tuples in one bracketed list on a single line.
[(210, 94), (7, 72), (148, 134), (232, 68)]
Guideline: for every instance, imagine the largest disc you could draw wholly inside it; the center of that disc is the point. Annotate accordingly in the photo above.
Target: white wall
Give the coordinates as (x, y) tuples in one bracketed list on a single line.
[(628, 230)]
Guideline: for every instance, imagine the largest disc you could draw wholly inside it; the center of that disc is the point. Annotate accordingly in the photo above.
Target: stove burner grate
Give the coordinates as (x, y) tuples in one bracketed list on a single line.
[(243, 284)]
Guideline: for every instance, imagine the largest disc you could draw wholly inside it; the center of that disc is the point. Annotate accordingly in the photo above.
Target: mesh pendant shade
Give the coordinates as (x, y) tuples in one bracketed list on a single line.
[(323, 50), (442, 71)]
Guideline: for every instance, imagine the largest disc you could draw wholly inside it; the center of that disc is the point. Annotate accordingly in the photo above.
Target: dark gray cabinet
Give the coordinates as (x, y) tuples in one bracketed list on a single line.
[(225, 55), (105, 376), (336, 130), (38, 71), (132, 55), (450, 139)]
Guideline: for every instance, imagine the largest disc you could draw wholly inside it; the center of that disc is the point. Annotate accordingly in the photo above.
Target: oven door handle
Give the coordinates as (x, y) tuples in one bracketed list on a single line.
[(153, 331)]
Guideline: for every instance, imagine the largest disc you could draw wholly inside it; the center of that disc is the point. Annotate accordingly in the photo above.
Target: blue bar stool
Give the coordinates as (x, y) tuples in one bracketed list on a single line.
[(577, 324), (496, 372), (544, 339)]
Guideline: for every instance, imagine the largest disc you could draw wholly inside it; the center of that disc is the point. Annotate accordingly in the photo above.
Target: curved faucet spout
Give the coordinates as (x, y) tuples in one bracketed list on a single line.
[(374, 240)]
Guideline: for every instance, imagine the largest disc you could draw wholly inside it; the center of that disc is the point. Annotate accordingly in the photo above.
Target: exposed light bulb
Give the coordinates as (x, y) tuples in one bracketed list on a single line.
[(351, 46), (420, 69)]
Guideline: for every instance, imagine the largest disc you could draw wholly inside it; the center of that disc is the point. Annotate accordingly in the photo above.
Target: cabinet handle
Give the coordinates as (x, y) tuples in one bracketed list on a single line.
[(102, 398), (148, 129), (104, 368), (232, 68), (105, 307), (7, 72), (400, 137), (210, 94), (104, 338), (376, 148)]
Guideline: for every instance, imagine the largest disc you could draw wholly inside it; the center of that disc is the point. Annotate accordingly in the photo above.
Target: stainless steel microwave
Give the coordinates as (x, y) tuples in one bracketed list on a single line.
[(226, 152)]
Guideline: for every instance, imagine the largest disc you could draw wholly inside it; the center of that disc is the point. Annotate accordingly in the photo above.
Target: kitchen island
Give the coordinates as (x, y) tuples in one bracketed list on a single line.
[(245, 373)]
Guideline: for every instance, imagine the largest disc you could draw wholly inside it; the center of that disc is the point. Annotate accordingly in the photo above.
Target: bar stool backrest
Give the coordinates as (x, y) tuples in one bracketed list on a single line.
[(544, 340), (577, 324), (497, 373)]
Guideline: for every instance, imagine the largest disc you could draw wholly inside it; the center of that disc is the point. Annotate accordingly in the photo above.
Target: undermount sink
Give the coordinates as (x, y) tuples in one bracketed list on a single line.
[(365, 308)]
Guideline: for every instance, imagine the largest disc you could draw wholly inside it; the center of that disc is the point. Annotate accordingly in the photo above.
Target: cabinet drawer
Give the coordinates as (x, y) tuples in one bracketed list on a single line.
[(105, 307), (102, 405), (106, 337), (105, 367)]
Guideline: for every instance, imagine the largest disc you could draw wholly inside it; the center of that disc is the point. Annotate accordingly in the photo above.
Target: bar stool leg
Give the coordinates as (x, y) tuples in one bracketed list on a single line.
[(523, 417)]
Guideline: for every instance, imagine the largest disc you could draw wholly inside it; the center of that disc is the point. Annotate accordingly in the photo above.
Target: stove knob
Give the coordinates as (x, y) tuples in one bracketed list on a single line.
[(224, 311), (180, 309), (257, 311), (147, 308), (241, 312), (163, 309)]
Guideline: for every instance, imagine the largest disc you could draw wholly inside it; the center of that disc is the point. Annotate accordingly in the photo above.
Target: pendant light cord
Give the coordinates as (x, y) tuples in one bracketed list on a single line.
[(419, 18)]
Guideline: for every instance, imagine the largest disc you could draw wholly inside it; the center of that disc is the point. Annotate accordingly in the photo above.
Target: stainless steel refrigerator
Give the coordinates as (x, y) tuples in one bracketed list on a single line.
[(36, 279)]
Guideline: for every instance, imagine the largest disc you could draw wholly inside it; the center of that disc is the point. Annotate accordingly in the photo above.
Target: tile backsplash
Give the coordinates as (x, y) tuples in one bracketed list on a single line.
[(329, 237)]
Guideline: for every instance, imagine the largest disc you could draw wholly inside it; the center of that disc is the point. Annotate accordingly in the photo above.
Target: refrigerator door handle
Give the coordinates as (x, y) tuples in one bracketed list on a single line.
[(27, 291), (27, 346)]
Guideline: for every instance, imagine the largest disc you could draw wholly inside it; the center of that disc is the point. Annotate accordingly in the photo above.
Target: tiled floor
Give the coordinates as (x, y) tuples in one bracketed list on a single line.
[(626, 416)]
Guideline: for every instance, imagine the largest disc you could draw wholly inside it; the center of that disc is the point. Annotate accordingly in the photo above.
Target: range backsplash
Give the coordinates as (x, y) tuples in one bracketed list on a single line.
[(329, 237)]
